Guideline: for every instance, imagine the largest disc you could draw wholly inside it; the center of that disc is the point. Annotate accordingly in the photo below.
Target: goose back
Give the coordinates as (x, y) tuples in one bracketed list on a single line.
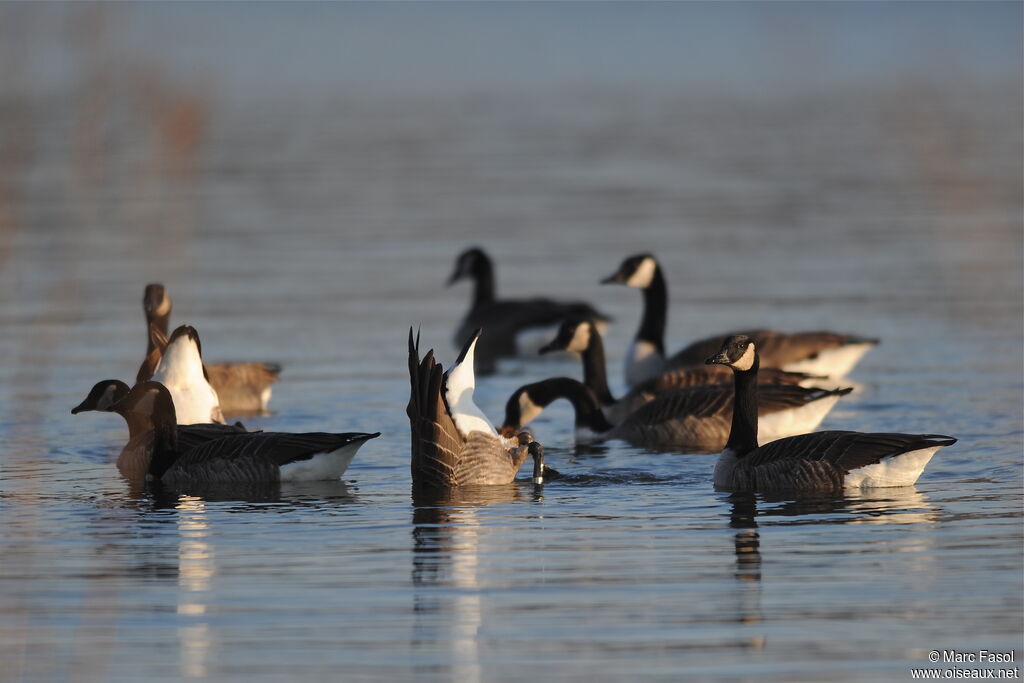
[(819, 352), (262, 457), (830, 460), (700, 418)]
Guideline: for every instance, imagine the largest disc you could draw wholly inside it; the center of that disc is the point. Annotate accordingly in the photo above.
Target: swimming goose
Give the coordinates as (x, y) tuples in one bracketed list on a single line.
[(514, 326), (241, 387), (181, 370), (692, 418), (815, 353), (583, 337), (155, 451), (820, 461), (453, 442), (108, 393)]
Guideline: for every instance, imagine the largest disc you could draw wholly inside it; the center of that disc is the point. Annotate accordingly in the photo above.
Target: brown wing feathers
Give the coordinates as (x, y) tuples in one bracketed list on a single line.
[(436, 444)]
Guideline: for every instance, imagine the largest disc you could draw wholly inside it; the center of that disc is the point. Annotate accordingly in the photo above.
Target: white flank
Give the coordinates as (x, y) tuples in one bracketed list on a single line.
[(264, 398), (794, 421), (724, 466), (834, 362), (643, 362), (326, 466), (899, 470), (587, 435), (643, 275), (461, 382), (181, 371)]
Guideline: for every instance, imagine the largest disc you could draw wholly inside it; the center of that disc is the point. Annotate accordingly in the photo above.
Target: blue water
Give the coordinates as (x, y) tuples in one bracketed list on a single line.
[(303, 192)]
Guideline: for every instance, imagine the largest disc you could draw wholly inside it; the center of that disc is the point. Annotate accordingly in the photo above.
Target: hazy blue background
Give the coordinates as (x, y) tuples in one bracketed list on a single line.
[(302, 176)]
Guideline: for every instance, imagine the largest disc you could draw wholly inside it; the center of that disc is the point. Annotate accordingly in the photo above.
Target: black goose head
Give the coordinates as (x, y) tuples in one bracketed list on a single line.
[(156, 301), (636, 271), (473, 262), (738, 352), (103, 396), (573, 335)]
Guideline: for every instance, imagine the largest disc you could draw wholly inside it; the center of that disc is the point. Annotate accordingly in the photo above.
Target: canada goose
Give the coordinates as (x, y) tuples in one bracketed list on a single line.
[(815, 353), (108, 393), (154, 450), (513, 326), (453, 442), (693, 418), (182, 372), (819, 461), (242, 387), (583, 337)]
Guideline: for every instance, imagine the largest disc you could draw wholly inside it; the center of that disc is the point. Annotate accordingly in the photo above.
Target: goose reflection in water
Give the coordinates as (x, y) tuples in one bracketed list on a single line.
[(904, 505), (196, 569), (446, 572)]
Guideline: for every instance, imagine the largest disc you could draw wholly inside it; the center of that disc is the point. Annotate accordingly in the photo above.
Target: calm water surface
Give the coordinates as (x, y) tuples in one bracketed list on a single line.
[(314, 231)]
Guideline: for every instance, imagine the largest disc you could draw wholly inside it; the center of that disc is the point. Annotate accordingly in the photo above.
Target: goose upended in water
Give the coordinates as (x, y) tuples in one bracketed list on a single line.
[(582, 336), (453, 442), (817, 353), (155, 449), (819, 461), (182, 372), (241, 387), (512, 326), (692, 418)]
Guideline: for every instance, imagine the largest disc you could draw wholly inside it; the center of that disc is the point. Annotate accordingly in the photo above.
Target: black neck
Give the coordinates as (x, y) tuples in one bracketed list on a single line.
[(595, 374), (483, 278), (165, 450), (584, 402), (652, 324), (743, 437)]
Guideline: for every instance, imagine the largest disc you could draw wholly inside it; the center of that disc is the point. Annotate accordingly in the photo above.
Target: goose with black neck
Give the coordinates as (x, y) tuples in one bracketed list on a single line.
[(820, 461), (823, 353)]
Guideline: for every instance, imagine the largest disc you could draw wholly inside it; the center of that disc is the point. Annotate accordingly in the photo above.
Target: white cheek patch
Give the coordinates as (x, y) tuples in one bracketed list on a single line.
[(165, 306), (746, 361), (527, 409), (106, 400), (580, 338), (643, 275)]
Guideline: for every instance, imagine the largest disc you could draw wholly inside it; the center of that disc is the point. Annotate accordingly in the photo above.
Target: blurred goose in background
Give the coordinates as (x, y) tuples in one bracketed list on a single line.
[(453, 442), (816, 353), (513, 326), (820, 461), (106, 396), (692, 419), (182, 372), (155, 449), (582, 336), (243, 388)]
